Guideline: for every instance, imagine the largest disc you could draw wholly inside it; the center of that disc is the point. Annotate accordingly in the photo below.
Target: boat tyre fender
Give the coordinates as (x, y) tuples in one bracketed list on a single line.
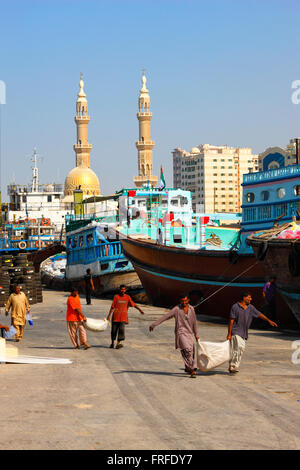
[(294, 262), (233, 256), (22, 245), (262, 250)]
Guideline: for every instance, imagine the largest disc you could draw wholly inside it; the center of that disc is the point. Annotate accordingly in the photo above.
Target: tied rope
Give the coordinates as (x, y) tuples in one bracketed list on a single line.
[(225, 285)]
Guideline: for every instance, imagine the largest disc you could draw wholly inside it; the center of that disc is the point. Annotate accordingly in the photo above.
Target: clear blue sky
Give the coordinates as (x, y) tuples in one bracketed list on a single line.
[(218, 72)]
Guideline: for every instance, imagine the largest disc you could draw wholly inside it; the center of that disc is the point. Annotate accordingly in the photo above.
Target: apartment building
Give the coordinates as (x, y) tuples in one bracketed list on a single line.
[(214, 174)]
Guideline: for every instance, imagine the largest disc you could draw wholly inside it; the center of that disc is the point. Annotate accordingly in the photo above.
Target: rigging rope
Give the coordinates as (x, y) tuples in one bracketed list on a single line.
[(228, 283)]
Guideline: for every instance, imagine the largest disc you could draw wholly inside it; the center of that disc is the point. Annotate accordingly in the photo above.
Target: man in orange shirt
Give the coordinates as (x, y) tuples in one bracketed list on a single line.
[(75, 319), (120, 306)]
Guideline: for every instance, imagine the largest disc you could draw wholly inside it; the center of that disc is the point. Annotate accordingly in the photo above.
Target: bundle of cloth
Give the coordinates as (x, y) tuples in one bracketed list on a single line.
[(292, 232)]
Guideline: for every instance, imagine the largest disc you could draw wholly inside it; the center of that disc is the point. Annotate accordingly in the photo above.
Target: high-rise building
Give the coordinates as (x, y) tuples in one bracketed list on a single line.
[(82, 177), (144, 145), (214, 174)]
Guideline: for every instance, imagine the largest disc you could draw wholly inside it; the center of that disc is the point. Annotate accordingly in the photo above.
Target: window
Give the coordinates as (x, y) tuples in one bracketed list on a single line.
[(250, 197), (297, 190), (265, 195), (280, 193)]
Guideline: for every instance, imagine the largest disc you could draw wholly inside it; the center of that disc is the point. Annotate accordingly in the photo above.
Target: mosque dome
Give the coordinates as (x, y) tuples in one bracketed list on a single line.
[(82, 177), (195, 150)]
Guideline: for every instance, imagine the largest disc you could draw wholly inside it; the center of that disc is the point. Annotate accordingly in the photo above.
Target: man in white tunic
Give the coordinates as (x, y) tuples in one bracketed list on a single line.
[(186, 329)]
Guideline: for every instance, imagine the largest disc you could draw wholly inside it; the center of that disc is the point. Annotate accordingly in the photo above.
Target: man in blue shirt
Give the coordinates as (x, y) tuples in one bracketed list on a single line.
[(240, 319)]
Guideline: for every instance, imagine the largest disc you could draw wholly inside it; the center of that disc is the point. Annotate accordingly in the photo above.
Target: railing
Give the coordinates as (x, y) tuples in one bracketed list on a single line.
[(6, 244), (75, 222), (287, 171), (144, 142), (102, 251), (270, 212), (78, 146)]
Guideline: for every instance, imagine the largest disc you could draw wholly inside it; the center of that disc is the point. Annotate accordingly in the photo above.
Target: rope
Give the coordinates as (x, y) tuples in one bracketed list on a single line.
[(228, 283)]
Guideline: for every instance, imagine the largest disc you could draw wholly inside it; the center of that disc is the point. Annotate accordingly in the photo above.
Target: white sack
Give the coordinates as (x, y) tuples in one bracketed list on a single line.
[(211, 355), (93, 324), (10, 333)]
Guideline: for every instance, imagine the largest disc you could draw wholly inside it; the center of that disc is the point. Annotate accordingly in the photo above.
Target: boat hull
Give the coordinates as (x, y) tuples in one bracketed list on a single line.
[(105, 285), (166, 272), (275, 262)]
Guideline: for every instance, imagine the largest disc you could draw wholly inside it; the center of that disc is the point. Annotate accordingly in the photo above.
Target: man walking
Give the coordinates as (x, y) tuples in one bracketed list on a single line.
[(89, 286), (240, 319), (186, 329), (18, 303), (119, 307), (75, 319)]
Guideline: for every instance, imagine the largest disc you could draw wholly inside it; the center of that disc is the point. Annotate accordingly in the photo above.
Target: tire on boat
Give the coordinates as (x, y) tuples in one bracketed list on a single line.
[(233, 256), (262, 250), (294, 262)]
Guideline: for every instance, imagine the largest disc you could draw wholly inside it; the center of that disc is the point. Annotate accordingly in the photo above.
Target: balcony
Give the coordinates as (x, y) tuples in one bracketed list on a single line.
[(278, 173), (82, 146), (142, 114), (145, 143)]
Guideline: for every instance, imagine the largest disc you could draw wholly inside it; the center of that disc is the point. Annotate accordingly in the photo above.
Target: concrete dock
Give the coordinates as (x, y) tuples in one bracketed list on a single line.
[(139, 397)]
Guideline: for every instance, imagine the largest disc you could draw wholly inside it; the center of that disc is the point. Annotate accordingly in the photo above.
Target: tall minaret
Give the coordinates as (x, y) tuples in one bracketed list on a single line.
[(144, 144), (82, 147), (82, 176)]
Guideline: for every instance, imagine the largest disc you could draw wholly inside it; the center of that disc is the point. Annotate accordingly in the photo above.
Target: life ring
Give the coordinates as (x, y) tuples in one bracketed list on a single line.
[(22, 245), (45, 222), (39, 244)]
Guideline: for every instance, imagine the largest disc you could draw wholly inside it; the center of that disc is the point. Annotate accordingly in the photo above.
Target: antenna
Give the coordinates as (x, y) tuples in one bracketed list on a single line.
[(35, 172)]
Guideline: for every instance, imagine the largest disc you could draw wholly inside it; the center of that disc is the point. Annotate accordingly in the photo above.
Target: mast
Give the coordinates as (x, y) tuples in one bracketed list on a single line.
[(35, 173)]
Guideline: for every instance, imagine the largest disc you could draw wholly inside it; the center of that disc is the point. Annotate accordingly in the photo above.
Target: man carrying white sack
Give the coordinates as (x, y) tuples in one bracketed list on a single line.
[(240, 319), (186, 329)]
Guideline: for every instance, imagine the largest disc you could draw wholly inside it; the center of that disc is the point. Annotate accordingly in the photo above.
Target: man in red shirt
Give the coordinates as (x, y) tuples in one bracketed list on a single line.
[(120, 306), (75, 319)]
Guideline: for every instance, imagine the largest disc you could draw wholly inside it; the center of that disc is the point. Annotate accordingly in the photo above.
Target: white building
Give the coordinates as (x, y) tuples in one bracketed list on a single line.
[(36, 201)]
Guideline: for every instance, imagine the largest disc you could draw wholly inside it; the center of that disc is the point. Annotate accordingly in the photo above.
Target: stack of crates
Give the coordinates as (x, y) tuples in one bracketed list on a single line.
[(17, 270), (6, 262)]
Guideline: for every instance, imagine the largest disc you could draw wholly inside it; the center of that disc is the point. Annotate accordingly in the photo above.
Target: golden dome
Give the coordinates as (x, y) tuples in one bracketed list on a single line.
[(85, 178)]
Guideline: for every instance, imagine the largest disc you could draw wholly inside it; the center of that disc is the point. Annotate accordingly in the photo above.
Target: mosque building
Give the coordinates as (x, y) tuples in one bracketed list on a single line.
[(82, 177), (144, 145)]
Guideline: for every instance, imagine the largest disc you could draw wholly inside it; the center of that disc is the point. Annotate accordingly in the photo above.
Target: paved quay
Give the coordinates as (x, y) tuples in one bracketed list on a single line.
[(139, 397)]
